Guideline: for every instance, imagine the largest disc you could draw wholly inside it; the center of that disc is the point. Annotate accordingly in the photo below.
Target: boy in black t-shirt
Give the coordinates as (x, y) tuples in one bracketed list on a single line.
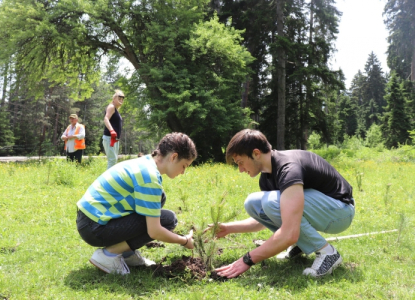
[(301, 194)]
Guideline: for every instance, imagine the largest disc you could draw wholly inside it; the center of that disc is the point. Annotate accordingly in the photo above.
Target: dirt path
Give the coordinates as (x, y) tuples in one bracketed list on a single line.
[(6, 159)]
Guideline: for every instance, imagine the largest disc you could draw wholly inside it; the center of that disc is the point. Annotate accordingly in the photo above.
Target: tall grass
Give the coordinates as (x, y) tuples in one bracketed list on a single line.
[(43, 257)]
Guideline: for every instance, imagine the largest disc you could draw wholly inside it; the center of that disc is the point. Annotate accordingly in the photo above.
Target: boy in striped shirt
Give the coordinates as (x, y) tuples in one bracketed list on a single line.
[(122, 210)]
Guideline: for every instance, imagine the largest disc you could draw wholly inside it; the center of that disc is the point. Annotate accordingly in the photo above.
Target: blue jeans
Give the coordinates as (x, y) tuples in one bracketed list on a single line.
[(321, 213), (111, 152)]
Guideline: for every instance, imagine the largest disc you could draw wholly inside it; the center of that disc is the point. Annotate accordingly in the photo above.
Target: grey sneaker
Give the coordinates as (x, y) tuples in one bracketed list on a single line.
[(109, 264), (137, 260), (324, 264)]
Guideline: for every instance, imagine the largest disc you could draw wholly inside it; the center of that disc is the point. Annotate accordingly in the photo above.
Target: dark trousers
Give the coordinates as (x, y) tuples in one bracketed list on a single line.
[(131, 229), (74, 155)]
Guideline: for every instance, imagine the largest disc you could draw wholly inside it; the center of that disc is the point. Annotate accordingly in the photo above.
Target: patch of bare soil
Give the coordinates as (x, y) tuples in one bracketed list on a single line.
[(185, 266)]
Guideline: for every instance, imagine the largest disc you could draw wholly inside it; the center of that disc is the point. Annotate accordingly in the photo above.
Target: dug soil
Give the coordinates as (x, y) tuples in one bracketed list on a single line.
[(183, 267)]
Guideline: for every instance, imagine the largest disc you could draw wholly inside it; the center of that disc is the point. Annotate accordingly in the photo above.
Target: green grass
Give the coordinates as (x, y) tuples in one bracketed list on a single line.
[(43, 257)]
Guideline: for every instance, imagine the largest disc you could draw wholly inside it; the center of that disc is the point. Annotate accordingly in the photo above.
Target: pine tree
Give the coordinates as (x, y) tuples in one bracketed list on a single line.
[(395, 124), (400, 21), (373, 90)]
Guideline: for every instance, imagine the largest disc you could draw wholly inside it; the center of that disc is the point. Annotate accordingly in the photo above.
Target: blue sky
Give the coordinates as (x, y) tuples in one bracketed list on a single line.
[(361, 31)]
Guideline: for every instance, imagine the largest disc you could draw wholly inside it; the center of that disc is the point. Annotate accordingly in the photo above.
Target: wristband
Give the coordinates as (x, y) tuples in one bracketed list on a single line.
[(187, 240)]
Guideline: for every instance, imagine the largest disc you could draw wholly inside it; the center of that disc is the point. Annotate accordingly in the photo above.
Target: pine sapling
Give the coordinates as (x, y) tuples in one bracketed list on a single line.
[(205, 240)]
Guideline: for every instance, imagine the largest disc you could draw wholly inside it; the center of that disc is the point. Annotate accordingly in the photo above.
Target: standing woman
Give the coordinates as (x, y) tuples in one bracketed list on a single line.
[(113, 127), (122, 210)]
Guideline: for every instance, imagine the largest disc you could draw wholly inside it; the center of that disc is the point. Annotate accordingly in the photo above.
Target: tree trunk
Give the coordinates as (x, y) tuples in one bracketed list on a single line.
[(301, 113), (413, 64), (5, 83), (216, 5), (245, 93), (55, 130), (14, 96), (309, 95), (280, 77)]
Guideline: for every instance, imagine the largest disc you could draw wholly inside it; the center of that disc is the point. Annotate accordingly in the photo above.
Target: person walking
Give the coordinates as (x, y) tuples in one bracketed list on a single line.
[(301, 194), (123, 209), (74, 138), (113, 128)]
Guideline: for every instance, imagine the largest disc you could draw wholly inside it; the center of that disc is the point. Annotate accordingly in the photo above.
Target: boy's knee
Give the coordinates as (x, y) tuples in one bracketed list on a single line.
[(252, 204), (169, 220), (249, 203)]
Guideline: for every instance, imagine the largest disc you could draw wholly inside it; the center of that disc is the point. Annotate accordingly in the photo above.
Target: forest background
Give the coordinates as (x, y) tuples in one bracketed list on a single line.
[(206, 68)]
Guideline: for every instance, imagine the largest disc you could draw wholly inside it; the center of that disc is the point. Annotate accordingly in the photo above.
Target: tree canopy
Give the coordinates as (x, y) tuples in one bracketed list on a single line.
[(191, 67)]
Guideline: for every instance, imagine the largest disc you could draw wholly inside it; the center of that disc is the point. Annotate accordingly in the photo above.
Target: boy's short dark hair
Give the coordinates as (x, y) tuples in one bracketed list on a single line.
[(244, 143)]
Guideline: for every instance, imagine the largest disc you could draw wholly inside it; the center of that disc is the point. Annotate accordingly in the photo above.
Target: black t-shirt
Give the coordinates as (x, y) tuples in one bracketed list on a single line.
[(307, 168), (116, 123)]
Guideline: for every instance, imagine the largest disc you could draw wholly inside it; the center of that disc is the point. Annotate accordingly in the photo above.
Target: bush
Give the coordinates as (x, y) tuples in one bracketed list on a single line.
[(353, 143), (374, 137), (314, 141)]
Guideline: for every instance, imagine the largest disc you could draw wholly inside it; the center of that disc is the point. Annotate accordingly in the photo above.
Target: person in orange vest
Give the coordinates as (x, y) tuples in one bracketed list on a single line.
[(74, 138)]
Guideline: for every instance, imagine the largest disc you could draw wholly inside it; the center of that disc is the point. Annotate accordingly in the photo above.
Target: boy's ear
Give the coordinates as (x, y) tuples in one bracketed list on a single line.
[(256, 153), (174, 156)]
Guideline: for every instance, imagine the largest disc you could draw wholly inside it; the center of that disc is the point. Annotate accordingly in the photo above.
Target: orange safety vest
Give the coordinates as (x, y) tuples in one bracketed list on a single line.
[(79, 144)]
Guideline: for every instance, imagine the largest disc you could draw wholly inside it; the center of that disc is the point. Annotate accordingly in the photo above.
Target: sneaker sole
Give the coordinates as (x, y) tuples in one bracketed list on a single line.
[(99, 266)]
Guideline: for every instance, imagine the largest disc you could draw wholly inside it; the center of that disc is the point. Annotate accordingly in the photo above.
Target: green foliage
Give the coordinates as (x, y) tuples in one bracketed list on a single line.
[(191, 69), (196, 88), (6, 135), (205, 241), (399, 19), (352, 143), (367, 96), (314, 140), (395, 121), (47, 41), (374, 136), (310, 82), (412, 136), (43, 257)]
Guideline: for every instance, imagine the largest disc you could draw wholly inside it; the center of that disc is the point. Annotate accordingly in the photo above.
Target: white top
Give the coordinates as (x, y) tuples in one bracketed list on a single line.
[(70, 144)]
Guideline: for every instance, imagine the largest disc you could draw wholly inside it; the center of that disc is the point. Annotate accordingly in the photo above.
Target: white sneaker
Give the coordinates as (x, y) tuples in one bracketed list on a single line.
[(137, 260), (109, 264), (324, 264)]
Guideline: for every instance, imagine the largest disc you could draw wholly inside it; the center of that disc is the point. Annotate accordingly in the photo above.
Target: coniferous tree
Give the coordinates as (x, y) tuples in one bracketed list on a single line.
[(395, 124), (373, 90), (367, 93), (409, 94), (400, 21), (358, 101), (346, 111)]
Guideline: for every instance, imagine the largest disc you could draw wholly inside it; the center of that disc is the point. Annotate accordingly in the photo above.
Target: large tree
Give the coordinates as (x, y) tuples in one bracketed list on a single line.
[(400, 21), (373, 90), (192, 70)]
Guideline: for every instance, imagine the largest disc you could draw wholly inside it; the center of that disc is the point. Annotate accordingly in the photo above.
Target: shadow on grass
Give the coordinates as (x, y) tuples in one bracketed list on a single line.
[(140, 282), (89, 279), (273, 273), (288, 274)]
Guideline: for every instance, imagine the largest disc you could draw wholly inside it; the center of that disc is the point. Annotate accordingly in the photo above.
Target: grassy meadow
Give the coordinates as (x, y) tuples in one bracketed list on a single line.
[(43, 257)]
